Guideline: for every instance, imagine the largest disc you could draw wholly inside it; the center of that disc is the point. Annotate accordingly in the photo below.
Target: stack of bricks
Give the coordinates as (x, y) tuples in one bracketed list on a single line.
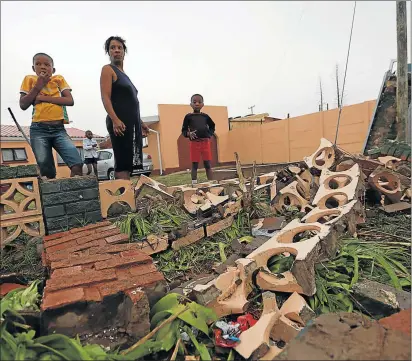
[(399, 150), (20, 171), (90, 263), (70, 202)]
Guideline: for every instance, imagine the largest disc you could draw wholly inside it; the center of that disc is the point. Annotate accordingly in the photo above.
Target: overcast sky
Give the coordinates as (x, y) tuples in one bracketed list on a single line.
[(268, 54)]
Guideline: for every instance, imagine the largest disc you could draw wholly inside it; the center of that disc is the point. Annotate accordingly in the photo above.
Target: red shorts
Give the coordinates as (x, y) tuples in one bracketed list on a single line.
[(200, 148)]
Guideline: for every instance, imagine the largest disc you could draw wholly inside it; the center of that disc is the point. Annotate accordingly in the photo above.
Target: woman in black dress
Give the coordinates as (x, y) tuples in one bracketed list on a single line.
[(123, 122)]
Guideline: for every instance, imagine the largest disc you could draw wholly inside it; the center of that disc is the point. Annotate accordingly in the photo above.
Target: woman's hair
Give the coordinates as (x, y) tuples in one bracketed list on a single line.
[(119, 39)]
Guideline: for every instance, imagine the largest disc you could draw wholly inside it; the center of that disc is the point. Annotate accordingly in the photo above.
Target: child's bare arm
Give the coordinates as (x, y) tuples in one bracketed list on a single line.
[(65, 99), (27, 99)]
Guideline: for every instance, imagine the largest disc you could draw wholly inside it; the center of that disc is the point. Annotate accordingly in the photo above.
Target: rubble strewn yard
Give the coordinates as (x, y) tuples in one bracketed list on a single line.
[(305, 259)]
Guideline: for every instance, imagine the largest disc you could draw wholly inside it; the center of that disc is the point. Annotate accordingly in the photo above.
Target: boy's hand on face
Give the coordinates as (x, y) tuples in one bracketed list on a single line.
[(192, 135), (42, 80)]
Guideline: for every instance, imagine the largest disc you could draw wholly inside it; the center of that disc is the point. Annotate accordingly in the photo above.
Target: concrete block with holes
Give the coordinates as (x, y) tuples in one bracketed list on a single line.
[(116, 191), (20, 209)]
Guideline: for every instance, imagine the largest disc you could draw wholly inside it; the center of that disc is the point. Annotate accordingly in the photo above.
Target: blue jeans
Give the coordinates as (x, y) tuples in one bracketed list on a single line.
[(44, 137)]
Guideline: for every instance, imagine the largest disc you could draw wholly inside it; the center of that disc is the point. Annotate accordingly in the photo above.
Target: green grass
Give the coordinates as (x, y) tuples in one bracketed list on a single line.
[(176, 179)]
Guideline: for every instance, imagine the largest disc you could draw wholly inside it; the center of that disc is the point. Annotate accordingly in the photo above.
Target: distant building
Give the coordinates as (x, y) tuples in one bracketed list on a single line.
[(250, 120), (16, 151)]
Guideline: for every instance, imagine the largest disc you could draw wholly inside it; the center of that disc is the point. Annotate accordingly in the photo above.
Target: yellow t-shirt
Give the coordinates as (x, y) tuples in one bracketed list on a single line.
[(45, 112)]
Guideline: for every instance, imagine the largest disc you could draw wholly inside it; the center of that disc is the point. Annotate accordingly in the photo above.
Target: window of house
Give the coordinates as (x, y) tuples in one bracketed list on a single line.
[(14, 155), (60, 160)]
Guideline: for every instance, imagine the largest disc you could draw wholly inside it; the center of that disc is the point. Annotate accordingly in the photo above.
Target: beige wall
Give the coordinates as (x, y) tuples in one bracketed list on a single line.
[(170, 127), (273, 142), (62, 170), (294, 138)]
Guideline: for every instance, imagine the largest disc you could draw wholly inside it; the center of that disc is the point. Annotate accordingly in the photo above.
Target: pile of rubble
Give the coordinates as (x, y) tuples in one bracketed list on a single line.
[(95, 269), (329, 186)]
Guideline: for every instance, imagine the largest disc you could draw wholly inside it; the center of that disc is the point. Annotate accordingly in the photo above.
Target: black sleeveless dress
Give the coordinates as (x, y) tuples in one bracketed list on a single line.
[(127, 148)]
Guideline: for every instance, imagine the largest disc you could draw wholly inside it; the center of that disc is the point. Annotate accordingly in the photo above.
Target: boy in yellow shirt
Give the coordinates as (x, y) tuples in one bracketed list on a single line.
[(49, 94)]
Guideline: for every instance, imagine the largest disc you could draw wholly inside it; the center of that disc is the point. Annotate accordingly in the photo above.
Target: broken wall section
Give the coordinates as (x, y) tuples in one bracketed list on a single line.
[(70, 202)]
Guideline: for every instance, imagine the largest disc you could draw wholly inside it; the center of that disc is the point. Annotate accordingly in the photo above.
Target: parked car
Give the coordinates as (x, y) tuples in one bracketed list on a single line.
[(105, 165)]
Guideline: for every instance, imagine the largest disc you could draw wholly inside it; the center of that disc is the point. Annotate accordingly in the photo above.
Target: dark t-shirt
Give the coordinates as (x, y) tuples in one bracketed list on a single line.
[(199, 122)]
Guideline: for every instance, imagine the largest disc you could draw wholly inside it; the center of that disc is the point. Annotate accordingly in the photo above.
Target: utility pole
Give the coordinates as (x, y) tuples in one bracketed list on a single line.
[(251, 109), (402, 71), (321, 95), (337, 85)]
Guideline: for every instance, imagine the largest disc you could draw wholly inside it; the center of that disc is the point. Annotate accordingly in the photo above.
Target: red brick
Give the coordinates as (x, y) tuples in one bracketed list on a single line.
[(68, 238), (5, 288), (69, 271), (91, 226), (79, 279), (107, 228), (96, 236), (79, 261), (44, 259), (133, 253), (116, 248), (111, 288), (117, 239), (400, 321), (57, 256), (62, 298), (55, 235), (123, 273), (61, 246), (150, 278), (82, 247), (92, 294), (135, 295), (116, 261), (142, 269)]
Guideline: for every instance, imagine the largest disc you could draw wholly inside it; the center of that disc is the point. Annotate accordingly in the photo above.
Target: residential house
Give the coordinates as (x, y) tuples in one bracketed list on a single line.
[(15, 150), (250, 120)]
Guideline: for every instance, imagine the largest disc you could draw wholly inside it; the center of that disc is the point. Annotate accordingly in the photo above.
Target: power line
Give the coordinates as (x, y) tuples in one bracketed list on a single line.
[(344, 77)]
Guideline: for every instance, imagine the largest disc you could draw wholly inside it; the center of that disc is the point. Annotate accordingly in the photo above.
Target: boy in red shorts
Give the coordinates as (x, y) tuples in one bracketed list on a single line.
[(199, 127)]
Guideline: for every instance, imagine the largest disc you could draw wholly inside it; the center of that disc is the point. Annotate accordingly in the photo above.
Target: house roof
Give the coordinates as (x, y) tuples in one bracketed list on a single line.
[(150, 119), (11, 131), (253, 118)]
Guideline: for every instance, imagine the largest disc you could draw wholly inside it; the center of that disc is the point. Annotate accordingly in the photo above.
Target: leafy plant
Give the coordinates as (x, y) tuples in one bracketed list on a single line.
[(189, 314), (385, 262), (23, 346), (202, 255), (160, 217), (20, 299)]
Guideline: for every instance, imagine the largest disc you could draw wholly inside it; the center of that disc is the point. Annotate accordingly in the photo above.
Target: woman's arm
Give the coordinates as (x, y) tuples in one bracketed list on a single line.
[(106, 80)]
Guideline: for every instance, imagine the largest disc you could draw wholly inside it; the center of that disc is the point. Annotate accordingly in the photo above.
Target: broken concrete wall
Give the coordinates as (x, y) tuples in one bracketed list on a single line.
[(70, 202), (19, 171), (98, 280)]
